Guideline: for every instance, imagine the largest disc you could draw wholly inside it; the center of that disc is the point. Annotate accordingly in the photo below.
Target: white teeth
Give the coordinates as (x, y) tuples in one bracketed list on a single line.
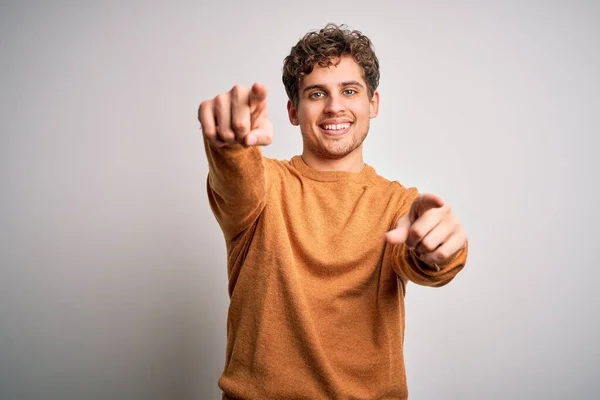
[(336, 127)]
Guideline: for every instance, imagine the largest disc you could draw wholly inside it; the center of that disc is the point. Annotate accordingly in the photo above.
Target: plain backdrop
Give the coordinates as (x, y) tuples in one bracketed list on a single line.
[(112, 268)]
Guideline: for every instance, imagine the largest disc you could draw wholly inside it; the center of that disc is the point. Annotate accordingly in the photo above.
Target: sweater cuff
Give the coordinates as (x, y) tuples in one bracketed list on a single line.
[(459, 256), (412, 268)]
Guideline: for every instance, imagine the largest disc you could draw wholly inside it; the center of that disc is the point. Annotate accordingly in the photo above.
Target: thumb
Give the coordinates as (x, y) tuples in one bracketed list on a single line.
[(399, 234)]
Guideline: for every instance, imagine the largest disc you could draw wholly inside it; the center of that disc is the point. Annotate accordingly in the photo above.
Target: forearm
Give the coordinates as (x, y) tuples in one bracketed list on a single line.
[(236, 185)]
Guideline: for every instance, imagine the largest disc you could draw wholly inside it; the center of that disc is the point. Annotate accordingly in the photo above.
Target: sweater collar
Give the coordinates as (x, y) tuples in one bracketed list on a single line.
[(331, 176)]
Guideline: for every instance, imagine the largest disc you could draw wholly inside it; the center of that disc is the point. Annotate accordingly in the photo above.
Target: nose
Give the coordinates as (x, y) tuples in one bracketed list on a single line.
[(334, 104)]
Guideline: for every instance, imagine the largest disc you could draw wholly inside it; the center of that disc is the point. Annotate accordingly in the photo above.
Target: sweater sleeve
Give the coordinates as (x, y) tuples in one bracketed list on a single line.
[(236, 185), (409, 267)]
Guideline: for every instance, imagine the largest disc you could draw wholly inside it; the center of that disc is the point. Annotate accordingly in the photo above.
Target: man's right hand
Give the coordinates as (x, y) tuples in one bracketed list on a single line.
[(238, 116)]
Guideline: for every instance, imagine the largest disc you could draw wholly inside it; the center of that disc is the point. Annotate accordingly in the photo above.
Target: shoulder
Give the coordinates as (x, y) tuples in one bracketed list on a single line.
[(397, 195), (275, 163), (279, 173), (277, 167), (393, 186)]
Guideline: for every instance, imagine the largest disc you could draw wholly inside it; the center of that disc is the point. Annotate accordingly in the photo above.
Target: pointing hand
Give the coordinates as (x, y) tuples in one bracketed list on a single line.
[(431, 229), (238, 116)]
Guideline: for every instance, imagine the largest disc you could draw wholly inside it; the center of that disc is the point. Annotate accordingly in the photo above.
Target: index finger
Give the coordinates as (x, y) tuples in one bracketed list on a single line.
[(258, 95), (423, 203)]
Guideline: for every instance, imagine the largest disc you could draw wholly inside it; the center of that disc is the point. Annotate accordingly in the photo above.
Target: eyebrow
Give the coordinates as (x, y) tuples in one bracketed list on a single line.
[(341, 84)]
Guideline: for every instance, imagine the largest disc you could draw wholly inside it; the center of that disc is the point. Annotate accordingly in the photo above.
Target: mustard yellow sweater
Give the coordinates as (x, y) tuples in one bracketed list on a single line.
[(316, 294)]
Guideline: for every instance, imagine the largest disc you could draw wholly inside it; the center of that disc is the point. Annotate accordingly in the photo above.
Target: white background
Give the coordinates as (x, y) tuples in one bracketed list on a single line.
[(112, 268)]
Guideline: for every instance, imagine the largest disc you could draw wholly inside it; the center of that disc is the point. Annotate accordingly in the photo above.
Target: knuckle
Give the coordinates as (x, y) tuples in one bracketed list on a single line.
[(457, 225), (427, 245), (442, 255), (204, 107), (239, 125), (227, 136), (236, 90), (220, 100), (212, 136), (415, 232)]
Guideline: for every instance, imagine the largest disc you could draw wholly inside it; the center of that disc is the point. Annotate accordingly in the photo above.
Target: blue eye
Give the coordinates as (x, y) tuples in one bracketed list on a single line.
[(317, 95)]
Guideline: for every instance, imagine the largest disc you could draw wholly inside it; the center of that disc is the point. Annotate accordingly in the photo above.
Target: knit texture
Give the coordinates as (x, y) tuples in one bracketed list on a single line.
[(316, 293)]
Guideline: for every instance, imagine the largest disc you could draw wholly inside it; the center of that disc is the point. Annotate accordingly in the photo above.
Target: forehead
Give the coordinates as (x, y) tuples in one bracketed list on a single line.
[(346, 70)]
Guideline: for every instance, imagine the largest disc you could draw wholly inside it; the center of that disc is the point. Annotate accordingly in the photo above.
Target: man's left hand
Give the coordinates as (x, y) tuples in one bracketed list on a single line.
[(431, 229)]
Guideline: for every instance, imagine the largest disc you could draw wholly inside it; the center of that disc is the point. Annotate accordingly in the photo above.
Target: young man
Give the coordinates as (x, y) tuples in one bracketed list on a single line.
[(319, 248)]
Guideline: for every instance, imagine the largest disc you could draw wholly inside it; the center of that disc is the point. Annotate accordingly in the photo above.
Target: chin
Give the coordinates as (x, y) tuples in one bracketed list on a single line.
[(329, 155), (335, 153), (333, 148)]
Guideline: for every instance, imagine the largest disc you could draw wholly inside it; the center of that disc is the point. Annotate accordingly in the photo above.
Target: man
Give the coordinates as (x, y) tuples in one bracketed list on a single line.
[(319, 248)]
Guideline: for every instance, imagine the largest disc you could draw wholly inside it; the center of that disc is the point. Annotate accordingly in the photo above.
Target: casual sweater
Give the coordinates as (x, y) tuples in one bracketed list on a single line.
[(316, 293)]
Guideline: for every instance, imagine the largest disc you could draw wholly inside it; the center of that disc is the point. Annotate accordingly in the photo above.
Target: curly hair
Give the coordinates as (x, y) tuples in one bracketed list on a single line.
[(320, 47)]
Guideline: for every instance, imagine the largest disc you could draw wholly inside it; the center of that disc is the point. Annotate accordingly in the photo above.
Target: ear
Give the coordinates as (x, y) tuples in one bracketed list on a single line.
[(374, 105), (292, 113)]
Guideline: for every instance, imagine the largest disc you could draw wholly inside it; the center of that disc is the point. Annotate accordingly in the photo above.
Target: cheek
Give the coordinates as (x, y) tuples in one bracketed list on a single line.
[(307, 117), (364, 114)]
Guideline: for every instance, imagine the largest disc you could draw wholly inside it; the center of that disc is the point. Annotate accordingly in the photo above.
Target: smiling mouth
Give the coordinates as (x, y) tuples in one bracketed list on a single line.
[(335, 129)]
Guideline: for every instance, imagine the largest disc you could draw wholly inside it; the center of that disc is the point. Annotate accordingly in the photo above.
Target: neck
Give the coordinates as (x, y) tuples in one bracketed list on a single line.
[(352, 162)]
